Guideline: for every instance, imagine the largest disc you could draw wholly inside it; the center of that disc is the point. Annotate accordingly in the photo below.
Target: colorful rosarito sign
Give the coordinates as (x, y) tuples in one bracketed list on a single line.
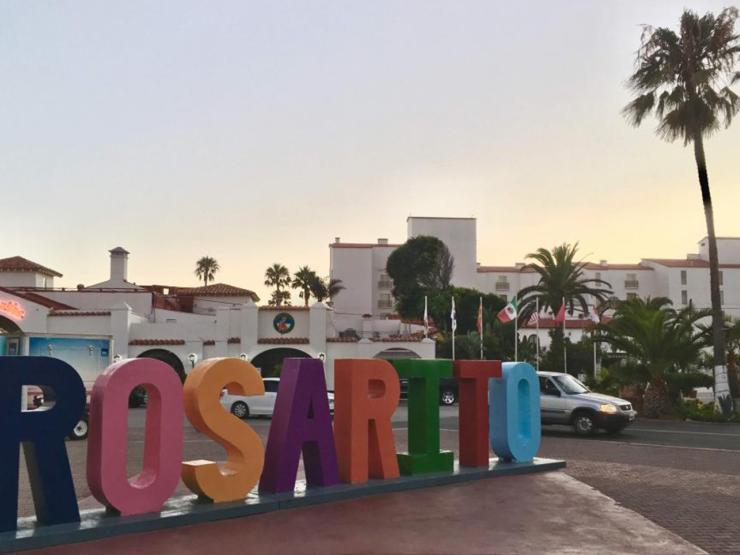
[(359, 446)]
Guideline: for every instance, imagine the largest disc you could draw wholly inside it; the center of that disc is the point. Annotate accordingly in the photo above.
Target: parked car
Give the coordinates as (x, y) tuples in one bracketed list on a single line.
[(565, 400), (259, 405), (81, 430), (447, 390)]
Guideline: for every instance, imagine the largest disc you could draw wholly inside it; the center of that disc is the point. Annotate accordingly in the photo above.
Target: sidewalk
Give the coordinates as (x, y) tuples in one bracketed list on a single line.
[(538, 513)]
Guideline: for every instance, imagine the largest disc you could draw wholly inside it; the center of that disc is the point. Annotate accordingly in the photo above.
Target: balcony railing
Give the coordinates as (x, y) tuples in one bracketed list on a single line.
[(385, 284), (385, 304), (631, 284), (502, 286)]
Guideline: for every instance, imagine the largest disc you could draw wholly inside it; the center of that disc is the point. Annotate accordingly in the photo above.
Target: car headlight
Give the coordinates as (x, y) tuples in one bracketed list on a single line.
[(608, 409)]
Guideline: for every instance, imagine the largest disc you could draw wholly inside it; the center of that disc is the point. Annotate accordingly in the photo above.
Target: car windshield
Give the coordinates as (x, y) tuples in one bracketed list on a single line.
[(570, 385)]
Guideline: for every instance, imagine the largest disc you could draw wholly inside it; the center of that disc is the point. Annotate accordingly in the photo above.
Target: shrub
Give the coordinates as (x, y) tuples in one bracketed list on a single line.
[(694, 409)]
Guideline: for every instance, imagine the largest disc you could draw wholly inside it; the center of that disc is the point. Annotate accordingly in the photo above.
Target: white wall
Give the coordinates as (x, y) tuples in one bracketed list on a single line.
[(354, 266)]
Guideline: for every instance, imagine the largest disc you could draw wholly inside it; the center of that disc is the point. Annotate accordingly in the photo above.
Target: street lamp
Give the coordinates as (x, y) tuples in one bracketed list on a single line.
[(193, 358), (117, 358), (322, 357), (244, 357)]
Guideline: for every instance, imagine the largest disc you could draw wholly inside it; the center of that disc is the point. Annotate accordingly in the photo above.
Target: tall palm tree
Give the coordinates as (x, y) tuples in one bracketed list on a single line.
[(278, 276), (206, 268), (684, 78), (657, 340), (561, 277), (304, 279), (319, 288)]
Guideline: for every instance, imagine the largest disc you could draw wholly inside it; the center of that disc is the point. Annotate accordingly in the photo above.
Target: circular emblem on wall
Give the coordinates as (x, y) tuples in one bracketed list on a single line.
[(283, 323)]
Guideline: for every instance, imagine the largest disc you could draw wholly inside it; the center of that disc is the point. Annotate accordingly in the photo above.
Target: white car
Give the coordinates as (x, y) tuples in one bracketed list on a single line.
[(259, 405)]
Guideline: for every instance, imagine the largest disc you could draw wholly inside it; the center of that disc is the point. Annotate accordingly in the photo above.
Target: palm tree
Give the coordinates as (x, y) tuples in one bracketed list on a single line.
[(561, 277), (333, 288), (657, 340), (206, 268), (684, 78), (278, 276), (304, 279), (319, 288)]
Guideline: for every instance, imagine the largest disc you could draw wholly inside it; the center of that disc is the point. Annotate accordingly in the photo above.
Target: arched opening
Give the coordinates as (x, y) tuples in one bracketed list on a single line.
[(168, 357), (270, 362), (395, 353), (10, 337)]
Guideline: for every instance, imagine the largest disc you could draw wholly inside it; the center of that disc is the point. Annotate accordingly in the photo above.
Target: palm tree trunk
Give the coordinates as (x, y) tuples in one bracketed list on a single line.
[(722, 397)]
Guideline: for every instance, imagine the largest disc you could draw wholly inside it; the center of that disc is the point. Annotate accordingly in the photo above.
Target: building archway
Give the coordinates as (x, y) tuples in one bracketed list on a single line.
[(10, 337), (169, 358), (270, 362), (395, 353)]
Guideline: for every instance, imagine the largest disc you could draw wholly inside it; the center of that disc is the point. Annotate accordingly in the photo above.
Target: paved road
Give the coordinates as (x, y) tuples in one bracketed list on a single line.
[(684, 476)]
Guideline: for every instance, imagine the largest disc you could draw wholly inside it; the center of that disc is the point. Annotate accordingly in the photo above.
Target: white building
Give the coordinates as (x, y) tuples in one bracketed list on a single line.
[(91, 326), (361, 266)]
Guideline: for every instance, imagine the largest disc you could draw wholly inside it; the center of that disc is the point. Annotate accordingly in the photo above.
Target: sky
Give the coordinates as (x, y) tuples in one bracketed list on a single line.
[(256, 132)]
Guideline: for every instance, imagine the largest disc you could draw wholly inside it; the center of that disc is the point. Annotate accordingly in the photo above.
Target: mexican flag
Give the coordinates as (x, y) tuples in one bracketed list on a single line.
[(508, 313)]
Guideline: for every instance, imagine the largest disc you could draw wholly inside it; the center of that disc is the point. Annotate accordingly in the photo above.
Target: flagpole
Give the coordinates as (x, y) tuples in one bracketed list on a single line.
[(426, 318), (480, 331), (565, 348), (593, 340), (454, 325), (516, 329), (537, 322)]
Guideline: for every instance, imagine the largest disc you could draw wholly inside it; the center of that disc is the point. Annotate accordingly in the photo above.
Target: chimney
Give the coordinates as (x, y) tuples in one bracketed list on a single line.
[(382, 241), (118, 264), (337, 240)]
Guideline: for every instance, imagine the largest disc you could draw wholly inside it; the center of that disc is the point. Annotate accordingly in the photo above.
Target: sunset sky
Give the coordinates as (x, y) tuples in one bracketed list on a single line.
[(256, 132)]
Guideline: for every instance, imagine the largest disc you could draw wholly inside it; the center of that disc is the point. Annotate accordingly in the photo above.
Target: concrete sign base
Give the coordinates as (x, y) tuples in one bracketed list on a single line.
[(97, 524)]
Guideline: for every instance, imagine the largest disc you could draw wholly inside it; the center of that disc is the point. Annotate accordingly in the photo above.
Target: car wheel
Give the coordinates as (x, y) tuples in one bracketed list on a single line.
[(240, 410), (583, 424), (80, 431), (447, 397)]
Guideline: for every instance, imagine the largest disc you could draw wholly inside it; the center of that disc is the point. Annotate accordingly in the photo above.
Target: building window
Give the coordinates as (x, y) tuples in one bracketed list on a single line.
[(631, 296), (631, 282), (384, 281), (684, 297), (385, 301), (683, 277), (502, 283)]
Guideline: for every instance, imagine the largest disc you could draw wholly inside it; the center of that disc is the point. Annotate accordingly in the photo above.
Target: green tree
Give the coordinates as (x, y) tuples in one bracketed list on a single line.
[(304, 279), (684, 78), (278, 276), (206, 268), (657, 340), (421, 265)]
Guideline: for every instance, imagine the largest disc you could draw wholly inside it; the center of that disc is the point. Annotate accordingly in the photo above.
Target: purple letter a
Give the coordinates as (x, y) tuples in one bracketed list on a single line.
[(301, 421)]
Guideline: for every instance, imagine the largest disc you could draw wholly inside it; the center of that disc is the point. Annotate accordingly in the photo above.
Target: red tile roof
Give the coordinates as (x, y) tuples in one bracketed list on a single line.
[(36, 298), (687, 263), (593, 266), (411, 338), (157, 342), (79, 313), (209, 342), (342, 339), (283, 341), (550, 323), (20, 264), (233, 340), (284, 308), (512, 269), (214, 290)]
